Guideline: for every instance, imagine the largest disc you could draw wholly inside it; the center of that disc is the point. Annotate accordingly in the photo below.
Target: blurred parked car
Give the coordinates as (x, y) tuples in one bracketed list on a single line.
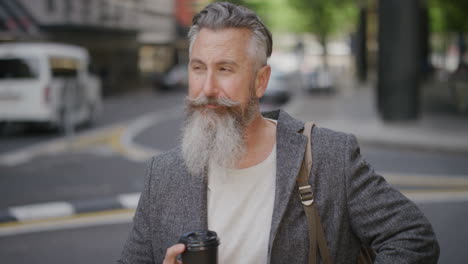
[(278, 90), (319, 80), (175, 78), (459, 87), (47, 83)]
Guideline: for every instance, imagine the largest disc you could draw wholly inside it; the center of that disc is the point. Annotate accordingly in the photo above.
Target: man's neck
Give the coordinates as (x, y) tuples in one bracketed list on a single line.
[(260, 140)]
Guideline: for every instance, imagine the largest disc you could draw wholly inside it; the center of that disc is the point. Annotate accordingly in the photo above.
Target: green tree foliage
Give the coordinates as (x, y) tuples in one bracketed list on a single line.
[(324, 17), (297, 16), (278, 15), (321, 17), (254, 5), (449, 15)]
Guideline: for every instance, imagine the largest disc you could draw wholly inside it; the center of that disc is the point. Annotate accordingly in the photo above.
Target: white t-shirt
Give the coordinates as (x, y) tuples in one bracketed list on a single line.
[(240, 209)]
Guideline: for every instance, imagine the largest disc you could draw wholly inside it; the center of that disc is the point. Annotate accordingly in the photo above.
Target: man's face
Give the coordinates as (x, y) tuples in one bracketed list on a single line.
[(222, 85), (221, 66)]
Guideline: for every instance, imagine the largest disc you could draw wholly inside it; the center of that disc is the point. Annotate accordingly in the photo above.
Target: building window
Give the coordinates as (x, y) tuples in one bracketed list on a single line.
[(85, 10), (68, 6), (50, 6), (104, 10)]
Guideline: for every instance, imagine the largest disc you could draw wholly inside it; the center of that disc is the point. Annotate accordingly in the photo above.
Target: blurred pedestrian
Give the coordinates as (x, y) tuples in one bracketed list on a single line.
[(235, 171)]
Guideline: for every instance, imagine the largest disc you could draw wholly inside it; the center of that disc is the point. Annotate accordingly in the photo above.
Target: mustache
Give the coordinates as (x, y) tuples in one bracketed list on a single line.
[(206, 100)]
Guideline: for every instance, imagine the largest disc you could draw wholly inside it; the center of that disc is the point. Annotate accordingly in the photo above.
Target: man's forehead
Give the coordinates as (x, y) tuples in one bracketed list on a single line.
[(223, 45)]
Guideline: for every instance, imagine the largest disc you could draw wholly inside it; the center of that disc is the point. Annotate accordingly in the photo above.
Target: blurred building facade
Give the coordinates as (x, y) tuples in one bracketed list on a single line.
[(127, 39)]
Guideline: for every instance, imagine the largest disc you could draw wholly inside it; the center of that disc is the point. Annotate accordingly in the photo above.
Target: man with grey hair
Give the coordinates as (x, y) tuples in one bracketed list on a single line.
[(235, 171)]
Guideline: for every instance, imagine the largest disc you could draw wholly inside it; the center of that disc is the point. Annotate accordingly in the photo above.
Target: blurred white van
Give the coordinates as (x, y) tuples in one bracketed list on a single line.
[(47, 83)]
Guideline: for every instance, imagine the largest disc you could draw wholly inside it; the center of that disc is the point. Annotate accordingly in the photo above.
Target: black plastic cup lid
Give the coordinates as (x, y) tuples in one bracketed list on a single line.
[(199, 240)]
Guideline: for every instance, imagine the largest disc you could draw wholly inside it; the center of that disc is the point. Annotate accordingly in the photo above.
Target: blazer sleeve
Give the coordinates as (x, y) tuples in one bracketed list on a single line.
[(138, 247), (382, 217)]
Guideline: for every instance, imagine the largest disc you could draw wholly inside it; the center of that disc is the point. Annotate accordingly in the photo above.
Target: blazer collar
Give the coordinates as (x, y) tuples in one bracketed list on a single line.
[(290, 149), (195, 201)]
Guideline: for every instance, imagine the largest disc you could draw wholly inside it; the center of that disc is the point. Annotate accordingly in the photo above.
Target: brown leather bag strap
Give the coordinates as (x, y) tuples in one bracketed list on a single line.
[(321, 239), (316, 233)]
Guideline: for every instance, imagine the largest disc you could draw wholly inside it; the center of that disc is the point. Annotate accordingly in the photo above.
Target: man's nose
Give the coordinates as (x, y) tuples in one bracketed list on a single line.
[(210, 88)]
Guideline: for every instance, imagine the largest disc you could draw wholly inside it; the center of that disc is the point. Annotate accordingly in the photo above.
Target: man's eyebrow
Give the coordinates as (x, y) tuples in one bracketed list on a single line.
[(196, 61), (221, 62)]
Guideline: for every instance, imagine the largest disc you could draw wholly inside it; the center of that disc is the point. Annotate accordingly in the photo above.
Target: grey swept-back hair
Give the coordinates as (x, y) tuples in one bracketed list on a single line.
[(221, 15)]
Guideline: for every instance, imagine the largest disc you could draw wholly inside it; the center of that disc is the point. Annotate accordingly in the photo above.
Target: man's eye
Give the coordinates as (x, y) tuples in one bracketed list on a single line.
[(224, 69)]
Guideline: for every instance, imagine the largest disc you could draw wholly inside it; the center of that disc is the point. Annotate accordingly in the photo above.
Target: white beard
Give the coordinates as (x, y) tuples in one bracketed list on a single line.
[(211, 137)]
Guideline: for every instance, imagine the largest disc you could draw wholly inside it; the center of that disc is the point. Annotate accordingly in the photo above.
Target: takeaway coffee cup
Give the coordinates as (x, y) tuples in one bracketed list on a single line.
[(201, 247)]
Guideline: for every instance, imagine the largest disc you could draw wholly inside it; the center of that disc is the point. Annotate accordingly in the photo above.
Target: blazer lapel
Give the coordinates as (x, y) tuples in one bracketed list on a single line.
[(195, 202), (290, 152)]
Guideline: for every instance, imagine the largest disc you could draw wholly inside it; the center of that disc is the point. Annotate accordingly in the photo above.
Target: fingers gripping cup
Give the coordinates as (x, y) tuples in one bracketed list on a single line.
[(201, 247)]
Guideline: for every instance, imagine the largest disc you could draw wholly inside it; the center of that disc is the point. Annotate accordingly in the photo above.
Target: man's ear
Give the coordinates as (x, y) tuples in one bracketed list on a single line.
[(261, 81)]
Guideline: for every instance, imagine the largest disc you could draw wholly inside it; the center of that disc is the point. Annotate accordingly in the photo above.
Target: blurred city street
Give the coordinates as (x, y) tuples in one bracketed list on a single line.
[(91, 90), (100, 167)]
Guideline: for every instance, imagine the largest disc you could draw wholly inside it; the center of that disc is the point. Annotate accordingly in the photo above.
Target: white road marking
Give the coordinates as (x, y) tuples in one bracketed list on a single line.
[(72, 223), (436, 196), (126, 131), (45, 210), (17, 157), (426, 180), (129, 200), (24, 155), (135, 151)]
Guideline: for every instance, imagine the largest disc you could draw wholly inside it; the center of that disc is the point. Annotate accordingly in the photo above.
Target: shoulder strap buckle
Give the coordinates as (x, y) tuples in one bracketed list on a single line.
[(307, 196)]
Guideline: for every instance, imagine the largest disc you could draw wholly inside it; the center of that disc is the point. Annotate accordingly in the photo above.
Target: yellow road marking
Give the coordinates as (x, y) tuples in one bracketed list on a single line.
[(111, 139)]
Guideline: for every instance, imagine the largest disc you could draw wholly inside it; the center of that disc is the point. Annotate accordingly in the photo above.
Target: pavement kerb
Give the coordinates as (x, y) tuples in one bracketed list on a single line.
[(65, 209), (378, 134), (417, 146), (375, 132)]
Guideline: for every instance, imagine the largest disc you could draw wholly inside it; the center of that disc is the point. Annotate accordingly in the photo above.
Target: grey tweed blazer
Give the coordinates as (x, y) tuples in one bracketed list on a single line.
[(356, 205)]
